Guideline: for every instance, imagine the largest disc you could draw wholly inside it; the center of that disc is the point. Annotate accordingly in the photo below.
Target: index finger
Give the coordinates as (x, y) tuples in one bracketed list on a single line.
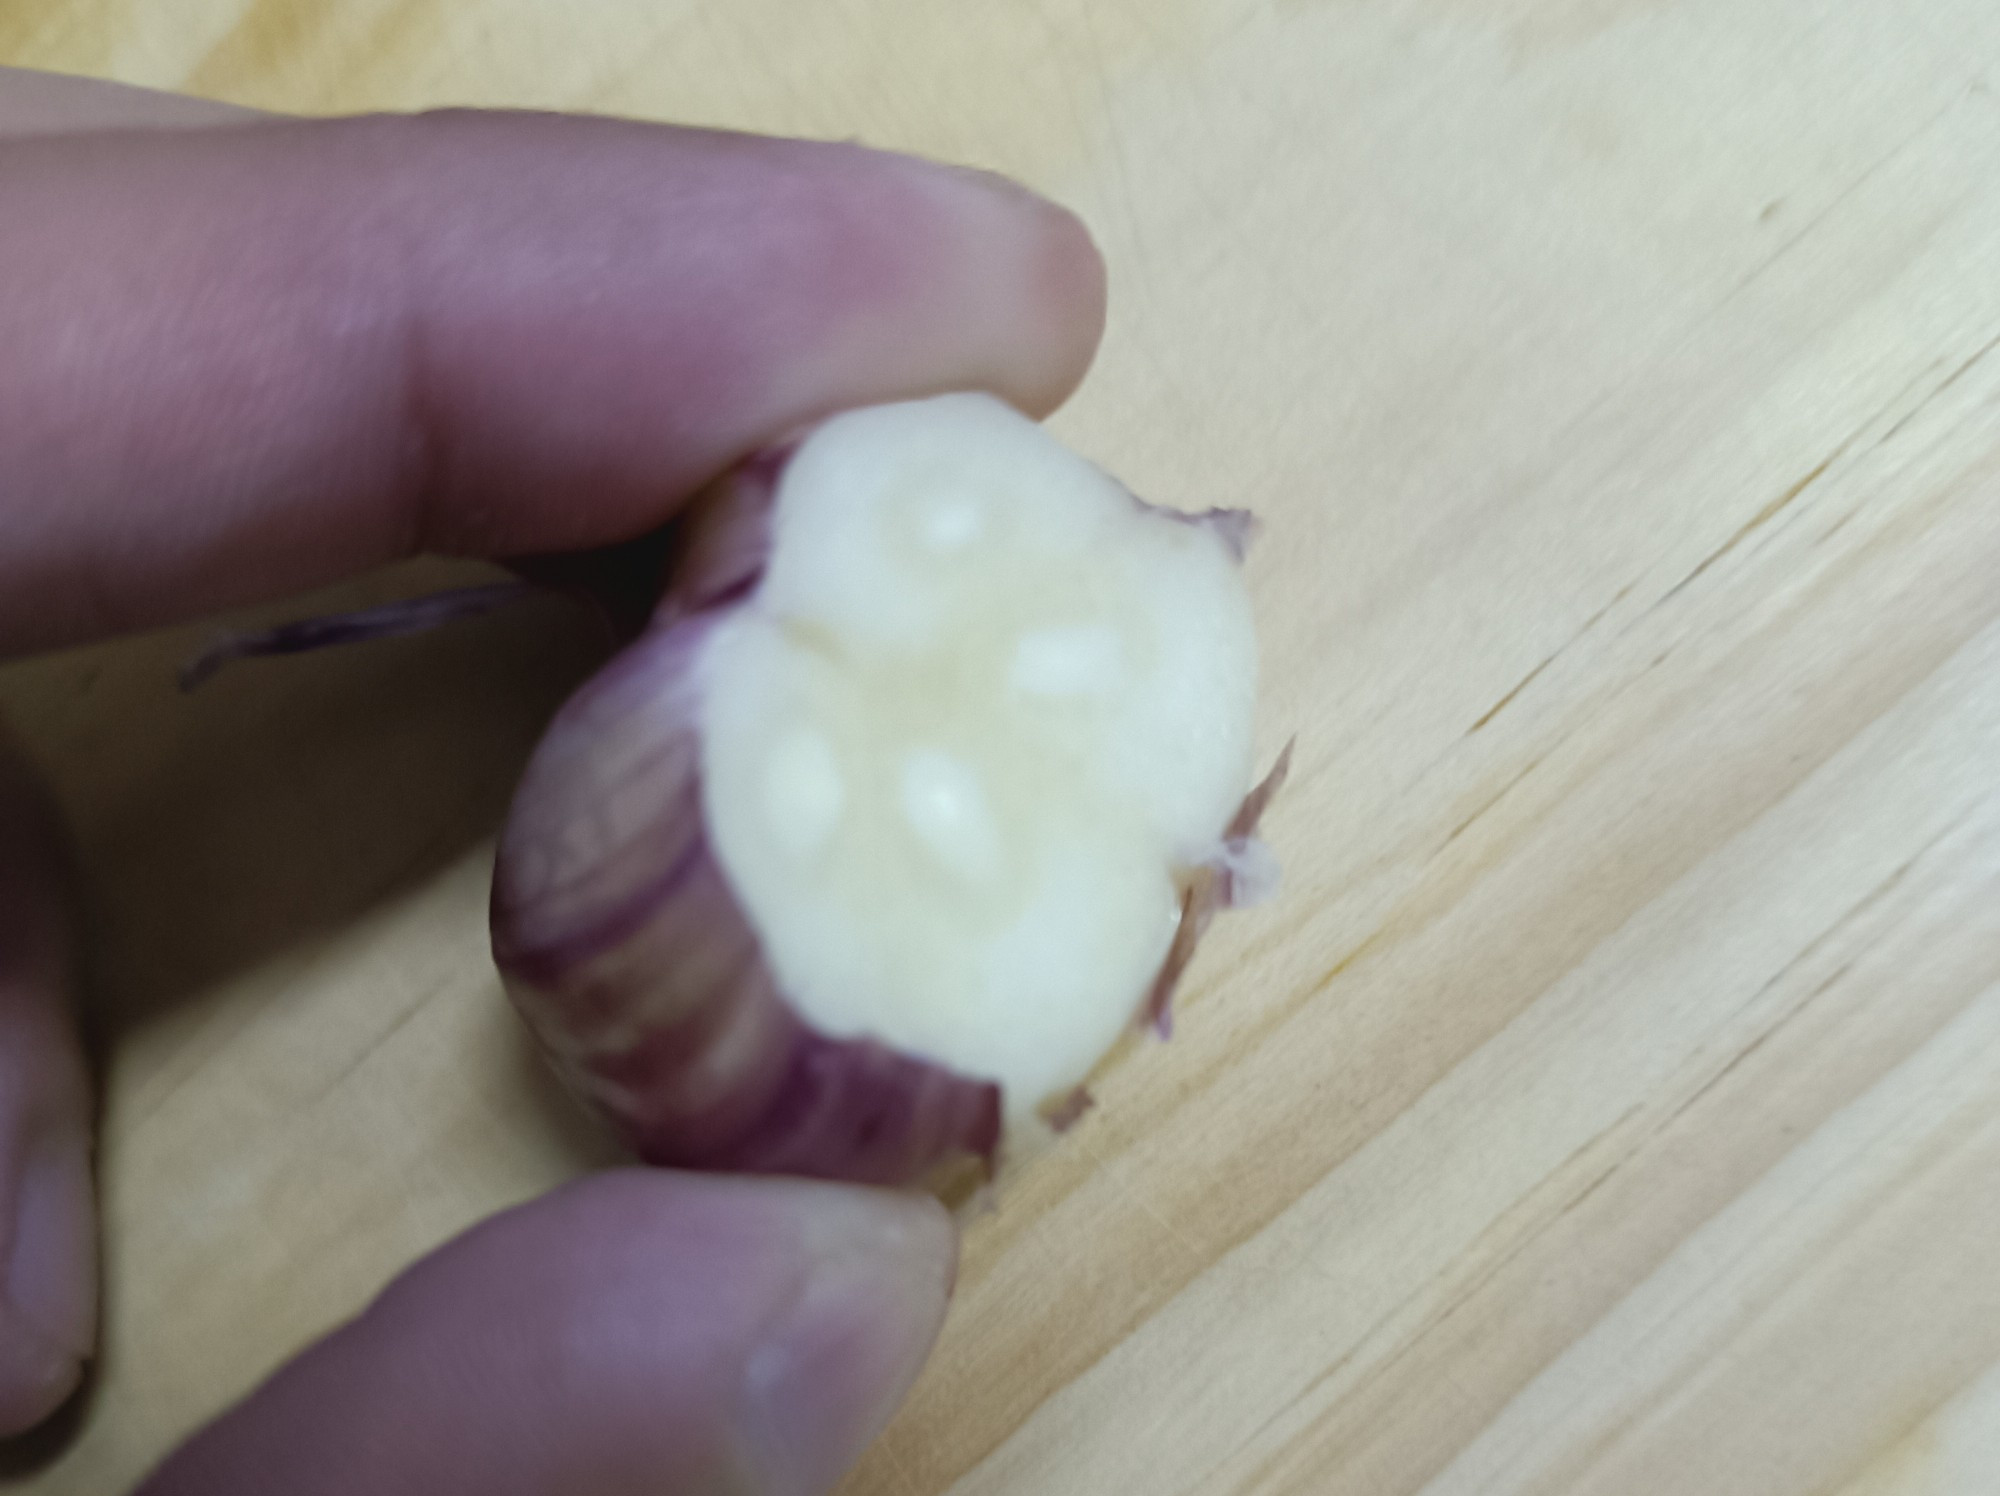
[(37, 103), (243, 360)]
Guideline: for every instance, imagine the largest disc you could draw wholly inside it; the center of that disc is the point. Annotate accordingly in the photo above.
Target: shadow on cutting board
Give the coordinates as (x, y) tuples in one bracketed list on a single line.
[(280, 803), (287, 797)]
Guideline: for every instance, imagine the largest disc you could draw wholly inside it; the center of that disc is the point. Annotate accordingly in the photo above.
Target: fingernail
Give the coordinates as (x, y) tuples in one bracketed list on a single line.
[(833, 1367), (50, 1313)]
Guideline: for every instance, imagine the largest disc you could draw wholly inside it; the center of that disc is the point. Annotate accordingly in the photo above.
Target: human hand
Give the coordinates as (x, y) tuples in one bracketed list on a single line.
[(242, 356)]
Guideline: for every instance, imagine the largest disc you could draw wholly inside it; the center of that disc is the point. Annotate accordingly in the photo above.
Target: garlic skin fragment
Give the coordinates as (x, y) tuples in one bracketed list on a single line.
[(890, 825)]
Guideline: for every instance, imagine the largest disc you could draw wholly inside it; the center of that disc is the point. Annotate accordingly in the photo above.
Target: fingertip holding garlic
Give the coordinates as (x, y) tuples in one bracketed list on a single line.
[(916, 794)]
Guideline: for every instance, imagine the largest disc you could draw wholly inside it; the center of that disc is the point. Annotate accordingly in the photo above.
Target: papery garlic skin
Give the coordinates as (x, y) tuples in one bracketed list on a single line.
[(885, 832)]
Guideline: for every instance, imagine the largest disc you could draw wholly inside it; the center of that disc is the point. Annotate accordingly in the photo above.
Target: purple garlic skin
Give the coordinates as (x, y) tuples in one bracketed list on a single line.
[(643, 979), (621, 943)]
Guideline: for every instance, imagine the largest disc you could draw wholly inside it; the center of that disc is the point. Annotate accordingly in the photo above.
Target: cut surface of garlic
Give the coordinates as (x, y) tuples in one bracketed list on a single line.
[(982, 710)]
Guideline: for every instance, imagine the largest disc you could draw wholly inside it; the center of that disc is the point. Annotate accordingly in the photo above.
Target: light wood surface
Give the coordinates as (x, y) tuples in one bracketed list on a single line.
[(1611, 1104)]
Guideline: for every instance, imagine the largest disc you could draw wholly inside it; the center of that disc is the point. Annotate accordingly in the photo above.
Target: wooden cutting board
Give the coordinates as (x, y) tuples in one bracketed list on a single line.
[(1611, 1103)]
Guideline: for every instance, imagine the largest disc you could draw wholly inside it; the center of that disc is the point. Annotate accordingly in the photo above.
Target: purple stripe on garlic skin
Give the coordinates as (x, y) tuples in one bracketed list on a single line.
[(416, 615), (1239, 873), (622, 924), (1235, 528), (725, 538)]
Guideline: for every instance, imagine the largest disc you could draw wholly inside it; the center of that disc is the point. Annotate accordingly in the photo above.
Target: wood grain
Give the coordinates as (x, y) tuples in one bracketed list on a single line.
[(1610, 1105)]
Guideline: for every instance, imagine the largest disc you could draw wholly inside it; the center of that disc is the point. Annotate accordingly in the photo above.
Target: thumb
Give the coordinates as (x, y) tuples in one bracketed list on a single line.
[(636, 1332)]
